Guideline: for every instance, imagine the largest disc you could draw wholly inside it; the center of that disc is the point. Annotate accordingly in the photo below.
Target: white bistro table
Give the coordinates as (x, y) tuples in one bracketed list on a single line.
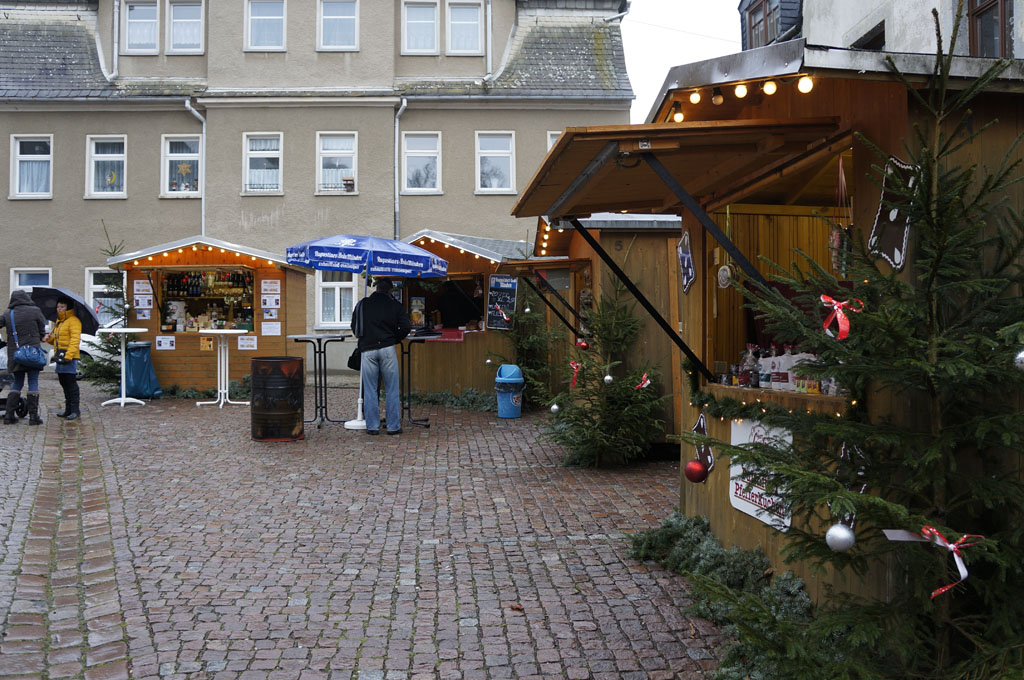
[(222, 335), (122, 400)]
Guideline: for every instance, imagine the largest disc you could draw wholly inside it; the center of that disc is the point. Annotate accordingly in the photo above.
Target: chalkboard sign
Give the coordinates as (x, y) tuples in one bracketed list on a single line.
[(501, 301)]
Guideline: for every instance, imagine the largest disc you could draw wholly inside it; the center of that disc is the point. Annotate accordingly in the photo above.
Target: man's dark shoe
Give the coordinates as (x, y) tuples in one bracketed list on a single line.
[(398, 431), (372, 431)]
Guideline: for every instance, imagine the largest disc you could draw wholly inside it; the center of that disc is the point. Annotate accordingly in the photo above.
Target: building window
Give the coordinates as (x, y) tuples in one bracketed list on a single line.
[(141, 28), (465, 28), (262, 162), (32, 166), (339, 25), (181, 165), (106, 167), (101, 286), (27, 278), (419, 28), (336, 163), (762, 23), (265, 24), (185, 28), (991, 22), (335, 298), (421, 154), (495, 162), (553, 136)]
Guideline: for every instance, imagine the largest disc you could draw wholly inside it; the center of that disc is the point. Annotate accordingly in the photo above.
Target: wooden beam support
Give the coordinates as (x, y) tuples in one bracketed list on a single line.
[(641, 298), (597, 166), (551, 306)]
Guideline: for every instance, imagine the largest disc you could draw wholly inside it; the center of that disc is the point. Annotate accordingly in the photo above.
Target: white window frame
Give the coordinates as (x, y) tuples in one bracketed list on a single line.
[(15, 194), (406, 189), (479, 28), (169, 38), (320, 31), (166, 156), (553, 136), (283, 47), (90, 166), (126, 48), (511, 154), (354, 154), (246, 154), (437, 27), (92, 290), (30, 270), (337, 286)]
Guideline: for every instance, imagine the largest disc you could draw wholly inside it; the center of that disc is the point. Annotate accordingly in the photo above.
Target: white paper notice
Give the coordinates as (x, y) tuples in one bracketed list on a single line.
[(142, 314), (755, 501), (143, 302), (165, 342), (142, 287), (270, 287), (270, 301), (246, 342), (270, 328)]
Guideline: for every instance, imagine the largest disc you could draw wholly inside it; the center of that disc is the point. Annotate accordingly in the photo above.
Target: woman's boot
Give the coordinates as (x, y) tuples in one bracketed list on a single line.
[(33, 409), (72, 396), (13, 399)]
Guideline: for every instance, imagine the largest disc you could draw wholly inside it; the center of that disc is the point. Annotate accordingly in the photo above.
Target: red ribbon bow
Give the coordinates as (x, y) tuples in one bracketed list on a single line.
[(644, 382), (933, 534), (839, 315), (575, 366), (503, 314)]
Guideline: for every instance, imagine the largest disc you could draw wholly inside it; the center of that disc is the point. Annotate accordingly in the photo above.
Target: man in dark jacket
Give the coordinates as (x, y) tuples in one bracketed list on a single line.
[(380, 323), (30, 327)]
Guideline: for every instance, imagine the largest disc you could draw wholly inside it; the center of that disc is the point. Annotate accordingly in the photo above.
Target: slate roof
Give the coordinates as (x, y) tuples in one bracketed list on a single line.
[(493, 248), (47, 60)]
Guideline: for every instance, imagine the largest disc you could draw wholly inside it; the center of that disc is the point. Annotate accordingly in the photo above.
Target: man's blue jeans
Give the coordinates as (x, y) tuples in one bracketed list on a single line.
[(381, 365)]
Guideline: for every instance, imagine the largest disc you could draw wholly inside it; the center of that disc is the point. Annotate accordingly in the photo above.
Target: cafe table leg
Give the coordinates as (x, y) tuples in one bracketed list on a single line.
[(122, 400), (223, 347)]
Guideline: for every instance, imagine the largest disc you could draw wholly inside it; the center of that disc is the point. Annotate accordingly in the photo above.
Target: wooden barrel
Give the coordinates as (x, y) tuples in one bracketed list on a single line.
[(277, 398)]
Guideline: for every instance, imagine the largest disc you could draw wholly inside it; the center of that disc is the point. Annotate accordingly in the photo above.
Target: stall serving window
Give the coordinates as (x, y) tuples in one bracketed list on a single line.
[(200, 299)]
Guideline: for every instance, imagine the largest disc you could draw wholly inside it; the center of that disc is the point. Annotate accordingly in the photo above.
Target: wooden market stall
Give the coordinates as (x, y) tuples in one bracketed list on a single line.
[(751, 176), (458, 306), (175, 290)]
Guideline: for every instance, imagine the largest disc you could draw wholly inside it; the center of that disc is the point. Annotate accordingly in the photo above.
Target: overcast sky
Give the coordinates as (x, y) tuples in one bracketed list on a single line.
[(660, 34)]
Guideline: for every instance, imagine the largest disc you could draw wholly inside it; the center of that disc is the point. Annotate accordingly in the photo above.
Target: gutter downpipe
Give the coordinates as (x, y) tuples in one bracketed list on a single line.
[(489, 46), (398, 115), (117, 38), (202, 168)]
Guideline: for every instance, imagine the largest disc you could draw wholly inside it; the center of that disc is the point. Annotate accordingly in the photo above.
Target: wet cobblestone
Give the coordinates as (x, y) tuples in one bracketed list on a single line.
[(161, 542)]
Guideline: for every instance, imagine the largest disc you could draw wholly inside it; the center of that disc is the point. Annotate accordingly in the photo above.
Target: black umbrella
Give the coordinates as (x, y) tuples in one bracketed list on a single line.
[(46, 299)]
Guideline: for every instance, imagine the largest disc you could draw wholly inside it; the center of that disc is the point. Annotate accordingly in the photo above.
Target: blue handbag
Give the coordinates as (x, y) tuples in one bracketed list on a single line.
[(31, 357)]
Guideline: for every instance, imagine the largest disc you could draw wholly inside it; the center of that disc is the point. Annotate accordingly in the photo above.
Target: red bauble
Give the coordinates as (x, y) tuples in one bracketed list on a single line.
[(583, 344), (696, 471)]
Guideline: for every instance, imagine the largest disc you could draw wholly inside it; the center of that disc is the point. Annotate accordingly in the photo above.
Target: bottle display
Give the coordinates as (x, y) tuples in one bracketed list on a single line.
[(204, 299)]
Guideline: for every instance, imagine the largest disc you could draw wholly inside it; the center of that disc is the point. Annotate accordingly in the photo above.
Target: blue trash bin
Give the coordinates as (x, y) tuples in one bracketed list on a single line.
[(509, 386), (140, 376)]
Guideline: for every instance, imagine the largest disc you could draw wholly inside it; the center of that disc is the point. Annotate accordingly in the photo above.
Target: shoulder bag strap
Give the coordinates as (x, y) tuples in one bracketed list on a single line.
[(14, 331)]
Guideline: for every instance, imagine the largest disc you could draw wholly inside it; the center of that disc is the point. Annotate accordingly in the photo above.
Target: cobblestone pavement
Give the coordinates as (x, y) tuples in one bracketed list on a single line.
[(161, 542)]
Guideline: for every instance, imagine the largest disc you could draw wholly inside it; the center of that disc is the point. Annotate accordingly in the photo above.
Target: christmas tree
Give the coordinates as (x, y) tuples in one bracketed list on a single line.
[(934, 341)]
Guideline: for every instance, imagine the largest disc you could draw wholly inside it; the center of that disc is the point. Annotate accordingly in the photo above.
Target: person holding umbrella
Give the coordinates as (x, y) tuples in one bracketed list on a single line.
[(380, 323), (25, 326), (65, 338)]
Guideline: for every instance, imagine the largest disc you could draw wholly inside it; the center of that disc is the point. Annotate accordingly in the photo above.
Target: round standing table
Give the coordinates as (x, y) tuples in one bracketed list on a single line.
[(122, 400), (319, 343), (222, 335)]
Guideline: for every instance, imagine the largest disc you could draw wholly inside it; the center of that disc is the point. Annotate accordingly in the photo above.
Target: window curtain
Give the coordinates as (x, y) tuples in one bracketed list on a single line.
[(419, 28), (495, 172), (465, 28), (339, 26), (186, 27), (266, 24), (33, 177), (142, 27), (108, 177)]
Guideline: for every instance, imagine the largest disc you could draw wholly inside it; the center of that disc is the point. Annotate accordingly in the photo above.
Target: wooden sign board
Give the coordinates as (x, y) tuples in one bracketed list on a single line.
[(501, 301)]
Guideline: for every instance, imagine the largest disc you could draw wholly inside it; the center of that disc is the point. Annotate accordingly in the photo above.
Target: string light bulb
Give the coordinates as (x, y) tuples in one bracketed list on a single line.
[(716, 97), (740, 91), (769, 87), (695, 97), (805, 84)]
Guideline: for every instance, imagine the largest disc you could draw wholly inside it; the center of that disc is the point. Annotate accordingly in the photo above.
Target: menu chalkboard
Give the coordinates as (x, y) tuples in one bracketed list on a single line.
[(501, 301)]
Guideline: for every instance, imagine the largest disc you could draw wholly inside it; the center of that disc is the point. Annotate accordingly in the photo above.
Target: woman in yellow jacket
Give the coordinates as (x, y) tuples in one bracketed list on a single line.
[(65, 337)]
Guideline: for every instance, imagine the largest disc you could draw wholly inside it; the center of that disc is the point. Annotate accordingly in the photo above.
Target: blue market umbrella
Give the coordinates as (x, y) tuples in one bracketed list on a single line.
[(46, 299), (367, 254), (370, 255)]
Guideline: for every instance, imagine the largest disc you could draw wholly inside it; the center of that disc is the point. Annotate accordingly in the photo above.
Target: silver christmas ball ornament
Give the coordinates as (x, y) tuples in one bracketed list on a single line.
[(608, 380), (488, 361), (840, 537), (554, 408), (1018, 361), (526, 311)]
